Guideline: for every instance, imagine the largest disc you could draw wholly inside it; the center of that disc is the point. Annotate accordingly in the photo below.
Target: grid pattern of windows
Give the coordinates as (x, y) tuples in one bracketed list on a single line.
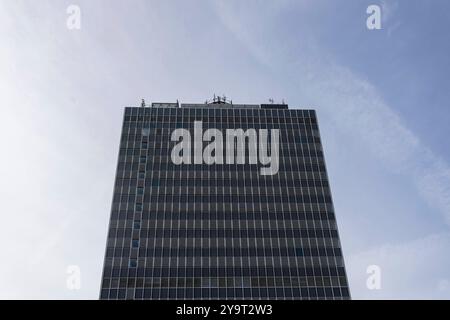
[(222, 231)]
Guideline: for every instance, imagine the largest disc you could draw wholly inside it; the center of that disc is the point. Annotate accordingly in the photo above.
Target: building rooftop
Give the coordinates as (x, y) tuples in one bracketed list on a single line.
[(216, 102)]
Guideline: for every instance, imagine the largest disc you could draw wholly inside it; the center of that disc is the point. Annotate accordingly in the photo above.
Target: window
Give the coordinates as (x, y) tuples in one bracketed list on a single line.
[(135, 243), (205, 282), (132, 263), (137, 224)]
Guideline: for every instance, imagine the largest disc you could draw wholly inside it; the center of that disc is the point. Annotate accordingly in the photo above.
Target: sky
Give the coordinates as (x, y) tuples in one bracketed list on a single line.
[(382, 99)]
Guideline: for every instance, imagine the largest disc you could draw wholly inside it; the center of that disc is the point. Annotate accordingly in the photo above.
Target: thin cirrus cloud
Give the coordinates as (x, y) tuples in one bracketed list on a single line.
[(353, 104), (384, 134)]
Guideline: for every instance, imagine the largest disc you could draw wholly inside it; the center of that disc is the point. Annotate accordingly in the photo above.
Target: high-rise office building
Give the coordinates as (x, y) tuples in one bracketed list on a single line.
[(195, 216)]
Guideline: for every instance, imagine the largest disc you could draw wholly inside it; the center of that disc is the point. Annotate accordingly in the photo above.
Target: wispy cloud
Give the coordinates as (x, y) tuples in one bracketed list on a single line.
[(357, 109), (388, 12), (354, 104), (389, 9)]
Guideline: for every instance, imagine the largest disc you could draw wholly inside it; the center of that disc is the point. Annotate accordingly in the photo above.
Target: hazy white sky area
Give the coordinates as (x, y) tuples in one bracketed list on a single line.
[(382, 98)]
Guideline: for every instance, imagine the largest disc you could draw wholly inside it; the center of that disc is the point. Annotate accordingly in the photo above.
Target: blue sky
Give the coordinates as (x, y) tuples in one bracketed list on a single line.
[(381, 97)]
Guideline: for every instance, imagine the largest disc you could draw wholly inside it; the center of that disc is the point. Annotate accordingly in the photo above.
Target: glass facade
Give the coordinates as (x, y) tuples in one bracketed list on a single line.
[(221, 231)]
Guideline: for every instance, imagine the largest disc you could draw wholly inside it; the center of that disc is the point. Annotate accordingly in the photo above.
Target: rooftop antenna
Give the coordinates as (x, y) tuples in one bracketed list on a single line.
[(219, 100), (271, 100), (143, 103)]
